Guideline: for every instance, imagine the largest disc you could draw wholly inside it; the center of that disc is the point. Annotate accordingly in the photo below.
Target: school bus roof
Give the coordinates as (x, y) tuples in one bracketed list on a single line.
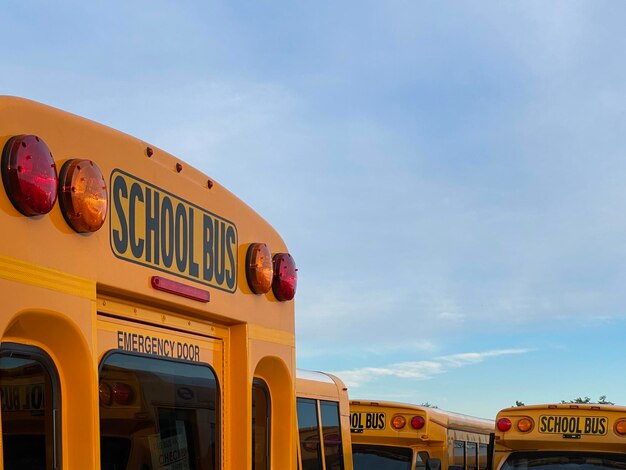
[(164, 218), (320, 385)]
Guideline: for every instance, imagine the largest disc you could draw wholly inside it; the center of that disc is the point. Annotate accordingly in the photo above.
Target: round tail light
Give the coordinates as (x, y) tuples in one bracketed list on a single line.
[(259, 268), (524, 425), (398, 422), (504, 424), (29, 175), (417, 422), (122, 394), (620, 427), (106, 395), (285, 277), (83, 195)]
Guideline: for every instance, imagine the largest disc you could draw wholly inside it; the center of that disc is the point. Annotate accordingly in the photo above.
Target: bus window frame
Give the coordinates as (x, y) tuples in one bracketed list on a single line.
[(12, 349), (218, 401)]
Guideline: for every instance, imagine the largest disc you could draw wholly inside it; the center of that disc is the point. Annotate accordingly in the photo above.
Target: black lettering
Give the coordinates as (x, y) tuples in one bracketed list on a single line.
[(543, 424), (602, 426), (120, 238), (140, 344), (180, 234), (167, 232), (381, 421), (219, 250), (152, 225), (354, 421), (120, 340), (194, 268), (128, 342), (134, 349), (207, 250), (196, 353), (588, 425), (136, 244), (368, 420), (231, 245)]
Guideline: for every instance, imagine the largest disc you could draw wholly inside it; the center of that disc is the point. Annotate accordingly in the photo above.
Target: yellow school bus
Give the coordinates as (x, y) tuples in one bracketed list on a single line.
[(561, 437), (323, 411), (147, 317), (398, 436)]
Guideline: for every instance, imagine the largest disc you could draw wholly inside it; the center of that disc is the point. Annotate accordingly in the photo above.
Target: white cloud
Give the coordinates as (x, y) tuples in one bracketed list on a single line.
[(420, 370)]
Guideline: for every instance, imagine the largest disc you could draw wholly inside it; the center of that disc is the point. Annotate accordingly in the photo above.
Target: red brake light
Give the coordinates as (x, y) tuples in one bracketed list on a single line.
[(504, 424), (417, 422), (259, 269), (122, 394), (29, 175), (285, 277), (83, 195)]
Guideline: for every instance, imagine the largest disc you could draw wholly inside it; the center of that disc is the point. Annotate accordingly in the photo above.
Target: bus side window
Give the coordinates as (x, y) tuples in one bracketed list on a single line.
[(482, 456), (30, 395), (331, 430), (260, 425), (458, 456), (472, 456), (308, 428)]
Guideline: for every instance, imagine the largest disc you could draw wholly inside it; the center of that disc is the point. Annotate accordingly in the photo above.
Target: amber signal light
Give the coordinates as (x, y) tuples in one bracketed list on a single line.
[(83, 195), (398, 422), (524, 425), (620, 427), (259, 268)]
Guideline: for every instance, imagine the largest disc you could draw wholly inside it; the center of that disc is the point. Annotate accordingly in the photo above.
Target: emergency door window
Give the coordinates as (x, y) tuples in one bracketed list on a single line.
[(158, 414), (30, 406)]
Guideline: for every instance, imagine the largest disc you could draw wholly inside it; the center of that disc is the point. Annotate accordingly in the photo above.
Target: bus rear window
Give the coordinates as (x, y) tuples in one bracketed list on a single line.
[(156, 413), (369, 457), (568, 460)]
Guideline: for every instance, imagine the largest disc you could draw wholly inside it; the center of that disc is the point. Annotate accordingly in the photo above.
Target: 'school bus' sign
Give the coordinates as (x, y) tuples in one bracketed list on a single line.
[(155, 228)]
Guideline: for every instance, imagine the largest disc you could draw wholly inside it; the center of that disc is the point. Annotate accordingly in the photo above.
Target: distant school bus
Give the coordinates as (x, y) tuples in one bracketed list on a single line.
[(146, 320), (323, 417), (560, 437), (396, 436)]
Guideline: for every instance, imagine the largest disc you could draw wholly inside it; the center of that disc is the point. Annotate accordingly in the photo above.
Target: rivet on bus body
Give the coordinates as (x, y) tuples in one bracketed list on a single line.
[(179, 167)]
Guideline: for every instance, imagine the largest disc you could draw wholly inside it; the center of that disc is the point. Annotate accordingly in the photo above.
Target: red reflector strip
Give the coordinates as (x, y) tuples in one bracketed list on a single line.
[(177, 288)]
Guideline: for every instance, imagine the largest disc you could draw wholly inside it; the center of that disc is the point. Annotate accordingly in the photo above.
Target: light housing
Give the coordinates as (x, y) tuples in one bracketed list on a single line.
[(122, 394), (620, 427), (504, 424), (285, 278), (105, 393), (29, 175), (259, 268), (398, 422), (417, 422), (83, 195), (525, 425)]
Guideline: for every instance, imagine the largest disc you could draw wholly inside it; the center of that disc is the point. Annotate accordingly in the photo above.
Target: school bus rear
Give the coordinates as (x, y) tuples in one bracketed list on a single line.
[(392, 435), (137, 311), (561, 437)]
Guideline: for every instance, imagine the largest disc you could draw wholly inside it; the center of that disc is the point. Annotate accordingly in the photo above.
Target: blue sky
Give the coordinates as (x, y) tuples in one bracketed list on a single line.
[(449, 175)]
